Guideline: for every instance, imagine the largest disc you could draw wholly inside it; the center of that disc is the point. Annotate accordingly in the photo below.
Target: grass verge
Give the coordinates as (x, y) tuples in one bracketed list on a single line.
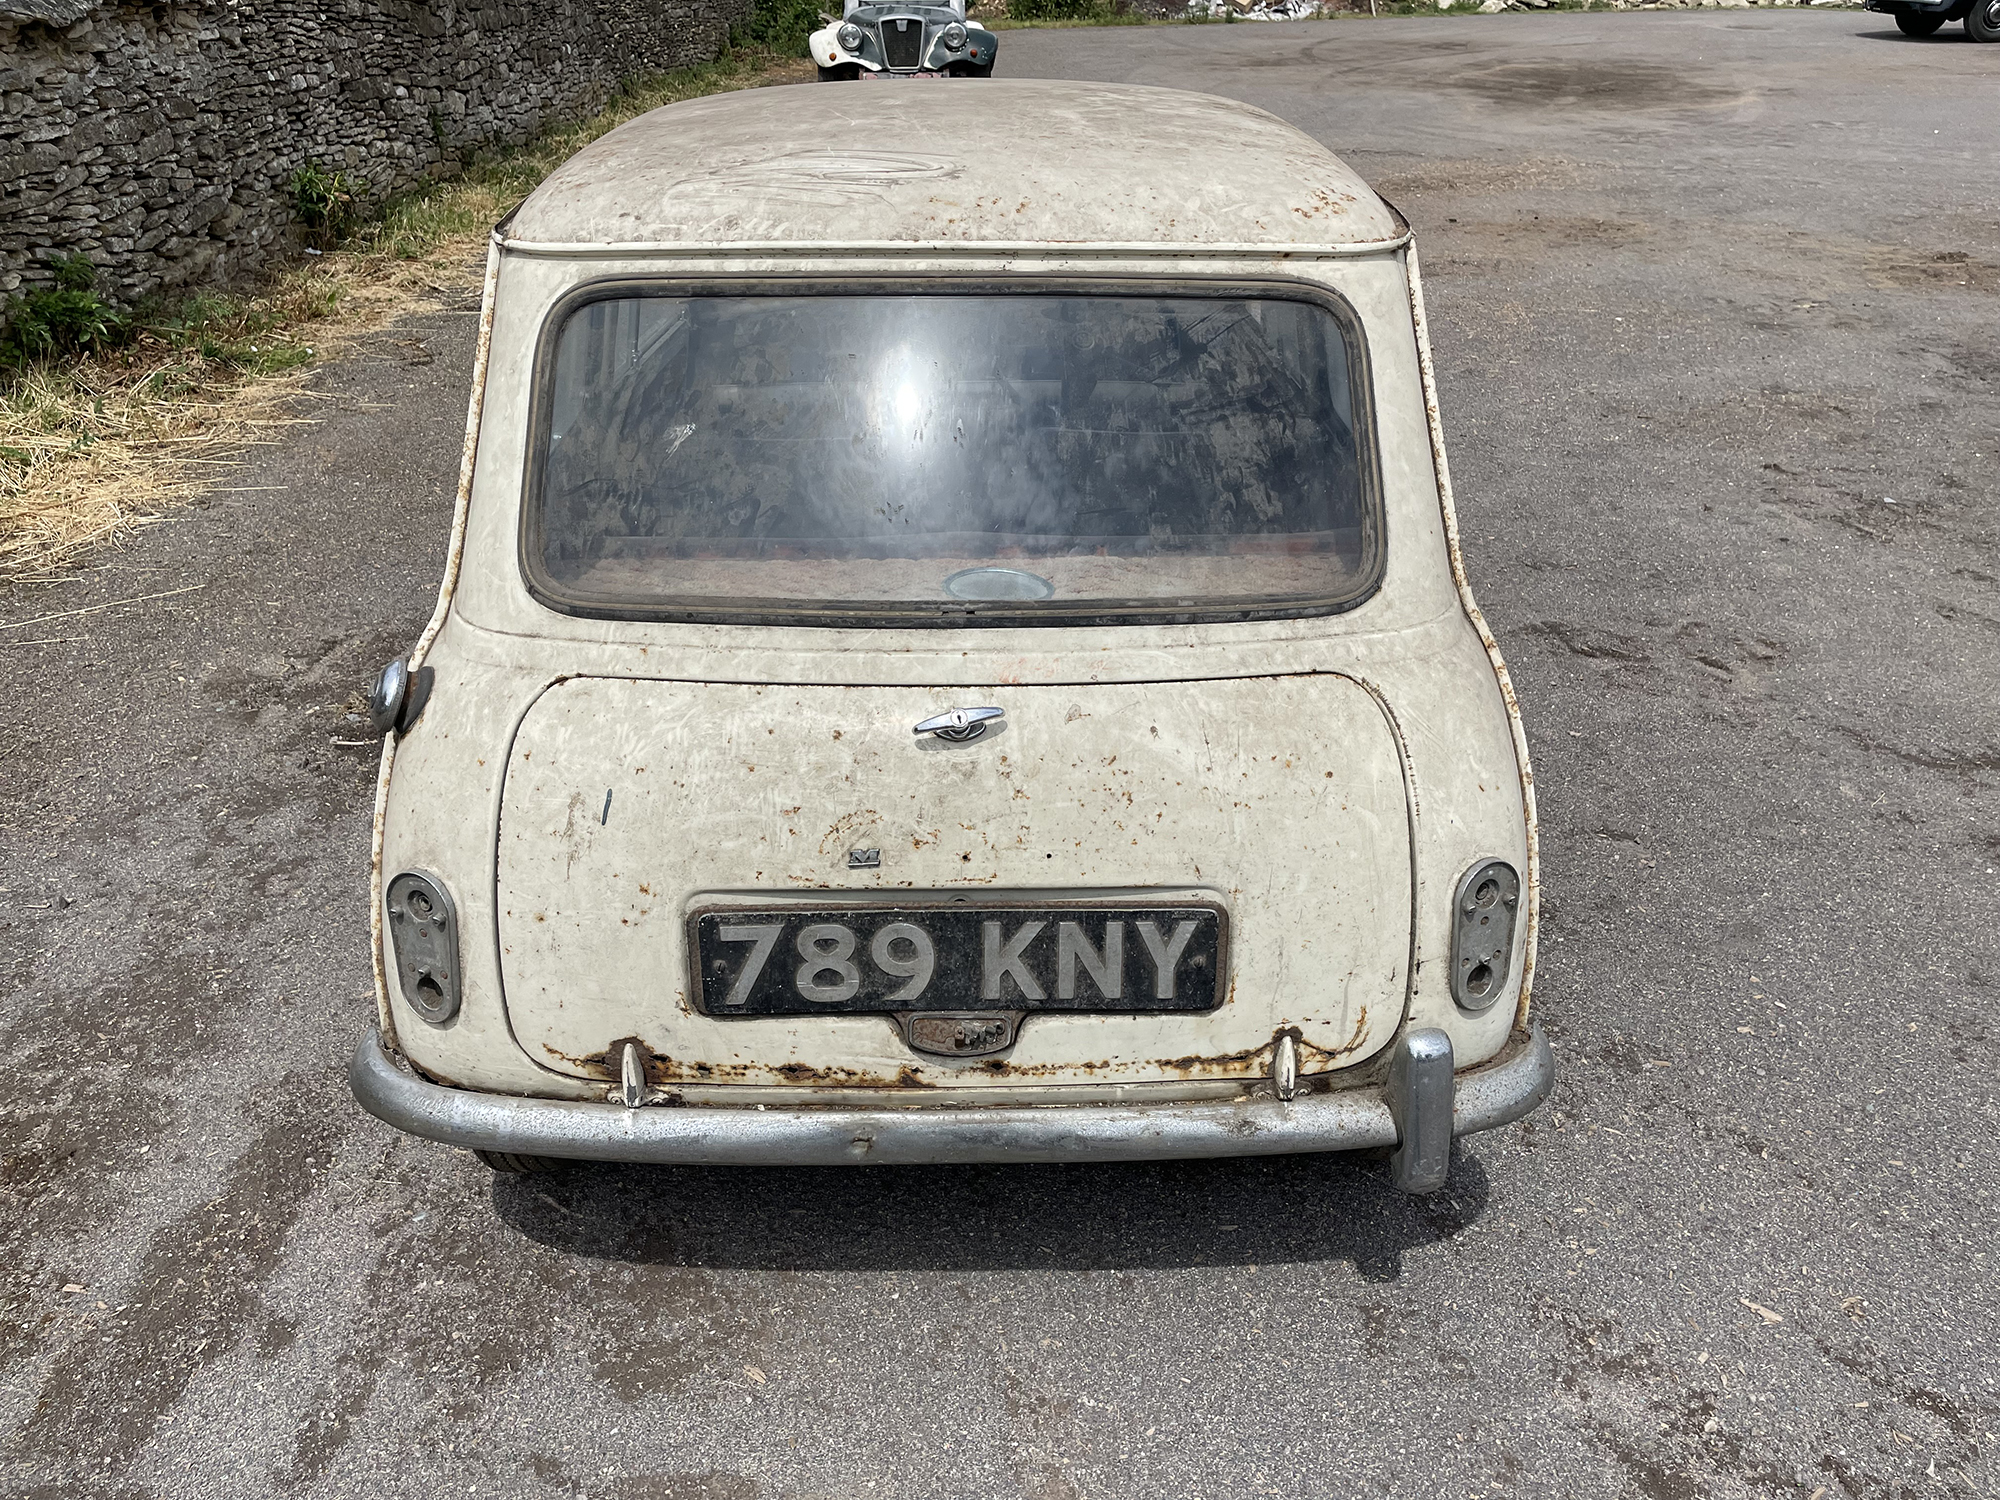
[(95, 445)]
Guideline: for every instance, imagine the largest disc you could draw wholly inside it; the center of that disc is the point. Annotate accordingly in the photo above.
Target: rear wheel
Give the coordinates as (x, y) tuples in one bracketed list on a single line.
[(1918, 22), (515, 1164), (840, 73), (1982, 22)]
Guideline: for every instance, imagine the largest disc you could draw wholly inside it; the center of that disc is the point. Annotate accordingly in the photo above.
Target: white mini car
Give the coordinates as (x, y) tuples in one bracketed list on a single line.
[(953, 655)]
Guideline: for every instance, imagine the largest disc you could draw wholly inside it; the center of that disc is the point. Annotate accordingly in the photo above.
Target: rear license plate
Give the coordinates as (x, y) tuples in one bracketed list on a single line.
[(810, 960)]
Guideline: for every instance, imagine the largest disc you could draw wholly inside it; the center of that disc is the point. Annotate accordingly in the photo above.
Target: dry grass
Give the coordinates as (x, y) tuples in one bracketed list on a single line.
[(92, 448)]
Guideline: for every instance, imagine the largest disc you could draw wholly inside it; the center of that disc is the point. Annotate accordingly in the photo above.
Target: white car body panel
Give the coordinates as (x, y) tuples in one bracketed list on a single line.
[(1284, 797)]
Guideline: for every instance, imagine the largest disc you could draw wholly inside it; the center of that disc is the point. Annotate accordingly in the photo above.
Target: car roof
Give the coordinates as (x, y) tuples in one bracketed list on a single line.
[(971, 161)]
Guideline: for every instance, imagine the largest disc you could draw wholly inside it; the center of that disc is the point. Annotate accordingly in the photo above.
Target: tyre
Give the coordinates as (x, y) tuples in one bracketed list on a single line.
[(840, 73), (1982, 22), (1918, 22), (514, 1164)]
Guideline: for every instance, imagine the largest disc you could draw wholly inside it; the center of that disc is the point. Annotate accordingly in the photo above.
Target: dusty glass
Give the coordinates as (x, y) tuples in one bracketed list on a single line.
[(938, 458)]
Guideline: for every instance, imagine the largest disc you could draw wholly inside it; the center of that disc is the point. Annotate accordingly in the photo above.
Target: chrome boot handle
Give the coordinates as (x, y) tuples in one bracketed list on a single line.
[(959, 724)]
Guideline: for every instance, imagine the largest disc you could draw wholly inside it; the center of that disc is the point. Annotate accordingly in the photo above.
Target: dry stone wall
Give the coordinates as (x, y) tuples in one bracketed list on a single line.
[(160, 140)]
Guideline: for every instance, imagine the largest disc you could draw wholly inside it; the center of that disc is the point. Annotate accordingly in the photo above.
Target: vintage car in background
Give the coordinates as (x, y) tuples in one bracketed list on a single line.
[(903, 41), (1926, 17), (953, 655)]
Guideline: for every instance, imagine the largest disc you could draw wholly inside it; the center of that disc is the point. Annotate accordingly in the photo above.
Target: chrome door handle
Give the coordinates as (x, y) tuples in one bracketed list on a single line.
[(959, 724)]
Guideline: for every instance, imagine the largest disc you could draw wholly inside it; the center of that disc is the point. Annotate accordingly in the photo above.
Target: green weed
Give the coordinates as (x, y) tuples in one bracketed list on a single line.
[(779, 26), (328, 204), (62, 320)]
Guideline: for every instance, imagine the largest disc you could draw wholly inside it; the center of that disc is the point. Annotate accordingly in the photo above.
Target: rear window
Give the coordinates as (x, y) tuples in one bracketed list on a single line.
[(950, 457)]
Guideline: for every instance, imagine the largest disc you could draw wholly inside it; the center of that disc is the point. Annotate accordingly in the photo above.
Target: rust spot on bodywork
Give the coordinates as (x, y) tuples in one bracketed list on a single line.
[(1245, 1064), (845, 827), (662, 1069), (591, 1064), (1319, 1060), (798, 1072), (1229, 1065), (1326, 202)]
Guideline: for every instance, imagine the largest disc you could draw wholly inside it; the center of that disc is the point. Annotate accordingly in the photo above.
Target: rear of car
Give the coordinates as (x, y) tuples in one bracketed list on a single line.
[(953, 663)]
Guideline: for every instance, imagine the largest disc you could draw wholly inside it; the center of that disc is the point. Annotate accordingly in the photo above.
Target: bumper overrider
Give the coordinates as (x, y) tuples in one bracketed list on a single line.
[(1417, 1109)]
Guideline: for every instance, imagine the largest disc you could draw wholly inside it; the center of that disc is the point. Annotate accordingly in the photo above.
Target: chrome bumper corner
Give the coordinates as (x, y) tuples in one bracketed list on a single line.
[(1409, 1112)]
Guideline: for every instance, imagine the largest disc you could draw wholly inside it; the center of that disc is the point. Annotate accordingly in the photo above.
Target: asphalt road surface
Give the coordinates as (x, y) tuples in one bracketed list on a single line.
[(1717, 298)]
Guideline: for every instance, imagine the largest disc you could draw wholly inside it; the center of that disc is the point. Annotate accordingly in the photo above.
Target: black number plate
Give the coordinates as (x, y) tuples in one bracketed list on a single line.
[(807, 961)]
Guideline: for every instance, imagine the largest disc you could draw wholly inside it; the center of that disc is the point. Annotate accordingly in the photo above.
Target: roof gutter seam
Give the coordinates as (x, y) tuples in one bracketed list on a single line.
[(1040, 249)]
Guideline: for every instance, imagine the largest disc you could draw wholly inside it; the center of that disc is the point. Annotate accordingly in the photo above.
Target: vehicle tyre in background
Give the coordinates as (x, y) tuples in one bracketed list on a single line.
[(514, 1164), (1982, 22), (840, 73), (1909, 22)]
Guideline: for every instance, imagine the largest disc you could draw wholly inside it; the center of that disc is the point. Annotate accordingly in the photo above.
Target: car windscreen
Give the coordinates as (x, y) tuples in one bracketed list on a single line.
[(939, 457)]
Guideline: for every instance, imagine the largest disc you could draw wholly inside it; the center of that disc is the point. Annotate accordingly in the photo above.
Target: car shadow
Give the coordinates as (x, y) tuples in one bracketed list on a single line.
[(1950, 32), (1066, 1216)]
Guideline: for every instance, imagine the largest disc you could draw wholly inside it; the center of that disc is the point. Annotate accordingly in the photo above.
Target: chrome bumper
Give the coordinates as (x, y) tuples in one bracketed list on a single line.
[(1418, 1110)]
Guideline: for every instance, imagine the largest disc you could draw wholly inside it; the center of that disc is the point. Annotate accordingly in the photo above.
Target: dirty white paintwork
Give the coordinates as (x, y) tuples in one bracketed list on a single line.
[(836, 165), (626, 800), (1404, 675)]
